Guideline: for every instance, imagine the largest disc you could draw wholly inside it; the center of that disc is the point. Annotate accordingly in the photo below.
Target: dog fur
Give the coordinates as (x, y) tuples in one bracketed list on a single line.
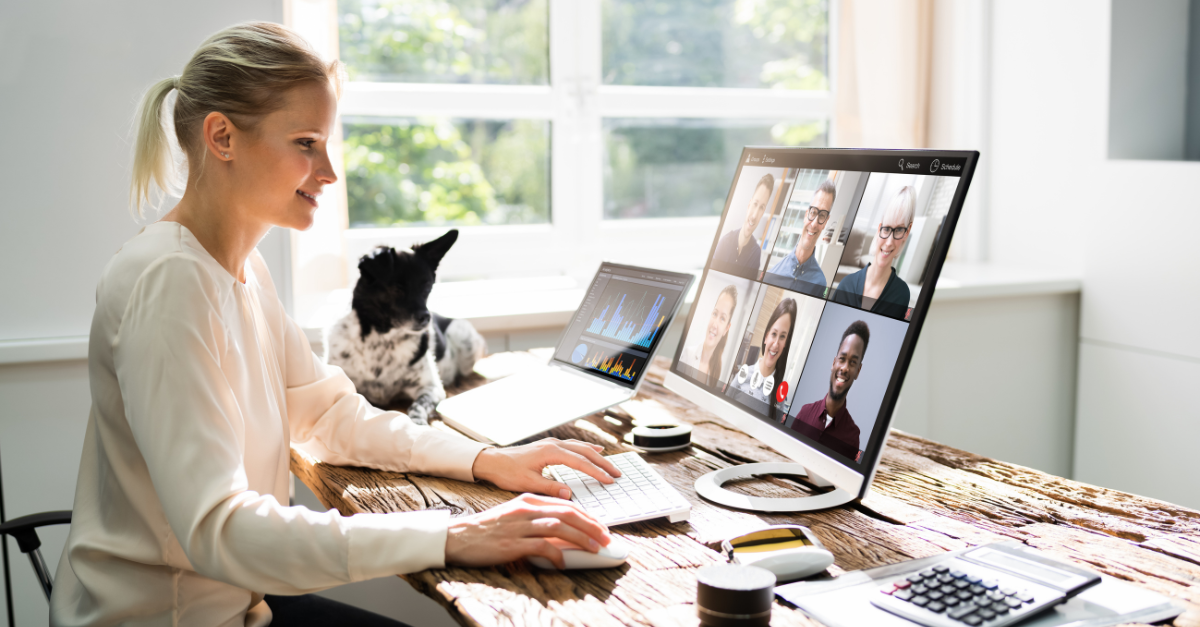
[(390, 344)]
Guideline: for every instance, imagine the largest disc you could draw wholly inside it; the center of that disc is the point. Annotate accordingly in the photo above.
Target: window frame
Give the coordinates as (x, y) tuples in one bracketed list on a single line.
[(576, 103)]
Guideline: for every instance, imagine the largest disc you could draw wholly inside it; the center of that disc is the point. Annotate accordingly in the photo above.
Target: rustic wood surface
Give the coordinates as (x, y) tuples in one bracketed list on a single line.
[(926, 499)]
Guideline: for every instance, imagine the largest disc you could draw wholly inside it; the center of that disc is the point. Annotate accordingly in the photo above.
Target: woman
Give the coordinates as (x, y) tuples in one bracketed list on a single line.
[(200, 384), (759, 380), (876, 287), (707, 354)]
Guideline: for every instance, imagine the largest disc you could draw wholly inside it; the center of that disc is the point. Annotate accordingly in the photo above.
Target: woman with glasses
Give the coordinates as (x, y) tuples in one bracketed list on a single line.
[(800, 271), (876, 288)]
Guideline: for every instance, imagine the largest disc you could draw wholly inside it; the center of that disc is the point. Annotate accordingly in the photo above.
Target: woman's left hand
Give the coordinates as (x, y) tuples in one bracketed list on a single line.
[(519, 468)]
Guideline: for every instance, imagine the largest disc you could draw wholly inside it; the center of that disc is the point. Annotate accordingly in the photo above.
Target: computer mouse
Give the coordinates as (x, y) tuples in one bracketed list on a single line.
[(575, 558)]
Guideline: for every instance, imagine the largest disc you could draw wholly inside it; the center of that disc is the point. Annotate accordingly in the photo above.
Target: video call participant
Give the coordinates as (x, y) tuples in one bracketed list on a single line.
[(772, 359), (877, 284), (707, 354), (739, 248), (800, 271), (826, 420)]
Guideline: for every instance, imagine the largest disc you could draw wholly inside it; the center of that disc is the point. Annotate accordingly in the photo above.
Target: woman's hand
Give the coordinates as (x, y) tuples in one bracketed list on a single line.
[(519, 528), (519, 468)]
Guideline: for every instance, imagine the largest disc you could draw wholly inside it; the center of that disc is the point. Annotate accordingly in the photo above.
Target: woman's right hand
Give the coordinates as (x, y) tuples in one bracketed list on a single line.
[(519, 528)]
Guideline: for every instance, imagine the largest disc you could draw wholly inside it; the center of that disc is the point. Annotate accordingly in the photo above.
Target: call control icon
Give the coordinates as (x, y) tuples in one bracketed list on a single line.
[(933, 167), (902, 165)]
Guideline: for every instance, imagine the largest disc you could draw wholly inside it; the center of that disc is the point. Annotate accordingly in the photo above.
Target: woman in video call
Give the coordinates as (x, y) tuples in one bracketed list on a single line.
[(707, 355), (772, 359), (876, 287), (201, 384)]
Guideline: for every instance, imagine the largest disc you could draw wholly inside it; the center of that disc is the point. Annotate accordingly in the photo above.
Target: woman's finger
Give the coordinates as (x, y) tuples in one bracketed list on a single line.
[(571, 513), (566, 531), (541, 547), (594, 456), (567, 457)]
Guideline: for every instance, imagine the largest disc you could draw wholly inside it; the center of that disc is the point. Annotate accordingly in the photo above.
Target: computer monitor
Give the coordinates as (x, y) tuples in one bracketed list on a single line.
[(816, 286)]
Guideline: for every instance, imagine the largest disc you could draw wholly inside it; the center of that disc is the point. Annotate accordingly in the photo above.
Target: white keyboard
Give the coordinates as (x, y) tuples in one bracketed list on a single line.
[(640, 493)]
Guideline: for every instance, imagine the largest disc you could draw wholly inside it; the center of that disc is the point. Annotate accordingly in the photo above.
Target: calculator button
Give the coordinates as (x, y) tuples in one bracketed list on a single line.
[(950, 601), (915, 578), (940, 568), (999, 608), (976, 590), (962, 610), (935, 606), (919, 601), (960, 583), (973, 579), (1008, 591), (957, 574), (1025, 597), (986, 614), (947, 589), (944, 578), (995, 595), (928, 572), (901, 585), (919, 589), (964, 595), (903, 595), (989, 584), (1013, 603), (972, 620), (935, 596)]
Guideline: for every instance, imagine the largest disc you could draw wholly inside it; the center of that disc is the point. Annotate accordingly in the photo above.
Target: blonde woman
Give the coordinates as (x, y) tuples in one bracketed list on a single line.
[(876, 288), (200, 384)]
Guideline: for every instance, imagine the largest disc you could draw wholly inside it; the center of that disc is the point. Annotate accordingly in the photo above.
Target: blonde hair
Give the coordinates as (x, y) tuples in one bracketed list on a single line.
[(903, 205), (243, 72)]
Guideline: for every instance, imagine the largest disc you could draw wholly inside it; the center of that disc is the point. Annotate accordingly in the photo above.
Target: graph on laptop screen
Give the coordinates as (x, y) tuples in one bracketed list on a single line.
[(623, 316), (814, 291)]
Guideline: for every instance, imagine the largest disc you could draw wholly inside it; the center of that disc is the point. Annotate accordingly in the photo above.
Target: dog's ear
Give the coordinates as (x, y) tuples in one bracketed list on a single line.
[(373, 267), (435, 250)]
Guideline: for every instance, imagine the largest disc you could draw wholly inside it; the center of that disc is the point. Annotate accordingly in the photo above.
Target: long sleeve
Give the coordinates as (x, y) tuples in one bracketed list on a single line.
[(196, 378)]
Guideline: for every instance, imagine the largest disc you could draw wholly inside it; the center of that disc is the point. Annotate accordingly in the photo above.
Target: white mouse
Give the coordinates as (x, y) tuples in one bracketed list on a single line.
[(574, 557)]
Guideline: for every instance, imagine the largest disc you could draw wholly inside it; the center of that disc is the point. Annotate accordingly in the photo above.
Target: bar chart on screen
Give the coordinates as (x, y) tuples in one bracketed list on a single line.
[(614, 363), (631, 313)]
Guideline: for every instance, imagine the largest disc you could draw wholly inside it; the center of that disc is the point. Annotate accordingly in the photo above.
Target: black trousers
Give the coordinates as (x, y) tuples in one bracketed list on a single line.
[(310, 609)]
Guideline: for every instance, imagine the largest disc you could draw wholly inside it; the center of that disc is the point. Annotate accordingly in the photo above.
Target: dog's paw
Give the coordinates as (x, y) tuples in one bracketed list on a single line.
[(419, 415)]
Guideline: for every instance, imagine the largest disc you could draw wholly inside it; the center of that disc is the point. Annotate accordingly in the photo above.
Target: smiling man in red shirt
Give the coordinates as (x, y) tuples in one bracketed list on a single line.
[(827, 420)]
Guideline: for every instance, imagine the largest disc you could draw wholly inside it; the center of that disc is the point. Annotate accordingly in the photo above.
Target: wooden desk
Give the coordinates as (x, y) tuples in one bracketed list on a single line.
[(926, 499)]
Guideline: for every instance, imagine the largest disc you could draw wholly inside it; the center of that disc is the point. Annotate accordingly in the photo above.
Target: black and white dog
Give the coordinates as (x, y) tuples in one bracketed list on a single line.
[(391, 345)]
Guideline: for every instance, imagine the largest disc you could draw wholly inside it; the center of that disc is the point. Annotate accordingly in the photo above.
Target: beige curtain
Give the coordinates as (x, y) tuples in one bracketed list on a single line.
[(882, 81)]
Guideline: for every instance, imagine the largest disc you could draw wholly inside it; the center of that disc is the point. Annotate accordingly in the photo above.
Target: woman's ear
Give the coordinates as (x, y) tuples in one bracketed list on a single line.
[(218, 135)]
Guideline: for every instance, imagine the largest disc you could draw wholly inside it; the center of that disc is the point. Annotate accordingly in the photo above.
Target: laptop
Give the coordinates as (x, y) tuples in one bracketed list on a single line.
[(600, 361)]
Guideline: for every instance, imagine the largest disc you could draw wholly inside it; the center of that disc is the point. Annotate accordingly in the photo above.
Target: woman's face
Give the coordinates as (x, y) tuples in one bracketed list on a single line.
[(886, 250), (775, 342), (282, 165), (719, 320)]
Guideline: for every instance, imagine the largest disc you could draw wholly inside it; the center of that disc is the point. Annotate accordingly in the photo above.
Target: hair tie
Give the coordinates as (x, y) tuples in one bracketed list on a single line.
[(175, 83)]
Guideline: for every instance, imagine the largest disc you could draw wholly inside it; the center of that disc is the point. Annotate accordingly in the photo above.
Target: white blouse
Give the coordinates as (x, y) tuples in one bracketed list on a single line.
[(199, 386)]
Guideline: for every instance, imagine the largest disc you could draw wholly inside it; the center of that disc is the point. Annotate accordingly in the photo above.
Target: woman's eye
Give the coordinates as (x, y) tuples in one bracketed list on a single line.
[(307, 143)]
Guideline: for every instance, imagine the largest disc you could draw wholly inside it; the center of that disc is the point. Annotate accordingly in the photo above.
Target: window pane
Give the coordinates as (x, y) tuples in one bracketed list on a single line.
[(439, 41), (404, 171), (656, 168), (716, 43)]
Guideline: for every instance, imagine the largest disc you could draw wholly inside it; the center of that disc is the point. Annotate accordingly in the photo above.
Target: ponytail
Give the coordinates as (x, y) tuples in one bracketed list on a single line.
[(152, 161)]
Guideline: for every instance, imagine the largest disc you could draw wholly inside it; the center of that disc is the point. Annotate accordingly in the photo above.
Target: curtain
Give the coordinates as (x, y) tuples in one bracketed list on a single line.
[(882, 78)]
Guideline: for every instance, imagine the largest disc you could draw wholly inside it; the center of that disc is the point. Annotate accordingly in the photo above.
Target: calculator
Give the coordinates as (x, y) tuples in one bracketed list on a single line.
[(993, 585)]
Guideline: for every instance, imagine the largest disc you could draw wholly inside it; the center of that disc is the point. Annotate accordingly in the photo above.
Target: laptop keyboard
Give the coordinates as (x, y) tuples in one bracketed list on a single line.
[(640, 493)]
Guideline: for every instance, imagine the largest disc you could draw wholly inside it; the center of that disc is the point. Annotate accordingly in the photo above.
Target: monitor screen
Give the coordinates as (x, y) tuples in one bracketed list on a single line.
[(816, 286), (624, 314)]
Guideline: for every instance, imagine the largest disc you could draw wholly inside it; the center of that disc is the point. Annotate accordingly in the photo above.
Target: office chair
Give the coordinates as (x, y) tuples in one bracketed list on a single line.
[(24, 531)]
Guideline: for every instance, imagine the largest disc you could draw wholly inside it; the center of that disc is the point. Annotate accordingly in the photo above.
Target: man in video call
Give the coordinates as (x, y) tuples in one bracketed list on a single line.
[(739, 248), (800, 271), (827, 420)]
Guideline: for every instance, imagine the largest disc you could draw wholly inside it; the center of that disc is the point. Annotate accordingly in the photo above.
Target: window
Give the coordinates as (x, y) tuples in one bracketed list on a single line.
[(556, 133)]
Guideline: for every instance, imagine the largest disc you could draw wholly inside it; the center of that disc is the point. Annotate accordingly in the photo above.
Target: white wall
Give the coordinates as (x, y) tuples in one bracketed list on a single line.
[(1128, 225)]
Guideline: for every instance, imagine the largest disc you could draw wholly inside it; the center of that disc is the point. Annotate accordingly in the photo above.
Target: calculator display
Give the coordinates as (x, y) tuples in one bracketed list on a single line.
[(1026, 568)]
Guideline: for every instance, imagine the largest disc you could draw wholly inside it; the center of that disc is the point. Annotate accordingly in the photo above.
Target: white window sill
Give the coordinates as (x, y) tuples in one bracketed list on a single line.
[(539, 303)]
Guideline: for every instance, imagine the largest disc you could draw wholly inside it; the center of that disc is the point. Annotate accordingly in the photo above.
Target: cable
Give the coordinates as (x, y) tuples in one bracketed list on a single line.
[(4, 540)]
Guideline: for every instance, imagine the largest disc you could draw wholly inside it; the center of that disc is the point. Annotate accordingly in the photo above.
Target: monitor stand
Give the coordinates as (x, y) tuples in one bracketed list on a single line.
[(709, 487)]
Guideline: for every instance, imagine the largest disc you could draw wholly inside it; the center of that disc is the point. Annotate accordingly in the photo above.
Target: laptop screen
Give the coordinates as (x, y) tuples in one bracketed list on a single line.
[(624, 315)]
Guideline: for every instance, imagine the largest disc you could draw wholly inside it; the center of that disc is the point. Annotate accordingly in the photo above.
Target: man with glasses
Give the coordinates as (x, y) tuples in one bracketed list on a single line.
[(800, 271), (876, 288)]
